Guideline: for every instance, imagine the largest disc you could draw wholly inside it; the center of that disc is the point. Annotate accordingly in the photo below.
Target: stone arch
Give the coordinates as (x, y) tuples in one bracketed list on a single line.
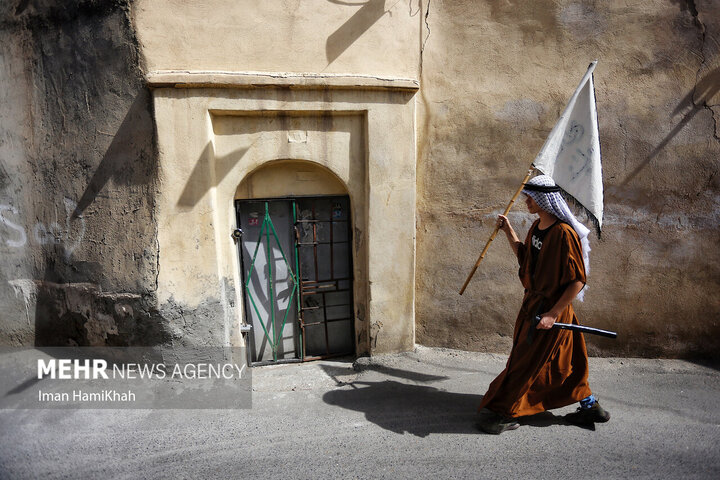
[(217, 130), (307, 185), (289, 178)]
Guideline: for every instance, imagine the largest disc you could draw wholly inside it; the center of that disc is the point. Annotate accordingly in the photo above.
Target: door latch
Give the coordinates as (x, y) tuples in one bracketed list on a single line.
[(237, 234)]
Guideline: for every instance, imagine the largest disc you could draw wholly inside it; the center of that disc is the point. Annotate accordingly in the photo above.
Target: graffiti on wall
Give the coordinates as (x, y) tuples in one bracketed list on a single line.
[(17, 235)]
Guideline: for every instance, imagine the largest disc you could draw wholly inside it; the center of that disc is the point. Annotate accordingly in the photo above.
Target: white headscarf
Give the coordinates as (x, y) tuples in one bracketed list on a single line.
[(555, 204)]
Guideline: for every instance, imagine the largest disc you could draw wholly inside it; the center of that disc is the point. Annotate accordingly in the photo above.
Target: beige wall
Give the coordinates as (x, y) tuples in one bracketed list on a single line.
[(213, 142), (290, 178), (342, 107), (494, 76), (374, 37)]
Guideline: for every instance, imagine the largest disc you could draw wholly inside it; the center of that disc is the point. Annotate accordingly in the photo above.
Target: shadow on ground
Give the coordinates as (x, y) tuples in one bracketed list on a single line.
[(548, 419), (421, 410), (416, 409)]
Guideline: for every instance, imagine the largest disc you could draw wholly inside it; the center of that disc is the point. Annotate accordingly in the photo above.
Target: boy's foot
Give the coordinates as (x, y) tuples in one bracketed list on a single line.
[(494, 423), (588, 416)]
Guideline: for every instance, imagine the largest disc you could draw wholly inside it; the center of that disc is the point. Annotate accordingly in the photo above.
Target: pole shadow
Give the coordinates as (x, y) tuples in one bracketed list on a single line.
[(404, 374), (341, 39), (695, 101), (200, 180), (124, 160)]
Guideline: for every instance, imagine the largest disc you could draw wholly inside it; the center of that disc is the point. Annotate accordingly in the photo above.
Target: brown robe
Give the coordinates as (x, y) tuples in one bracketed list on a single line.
[(551, 372)]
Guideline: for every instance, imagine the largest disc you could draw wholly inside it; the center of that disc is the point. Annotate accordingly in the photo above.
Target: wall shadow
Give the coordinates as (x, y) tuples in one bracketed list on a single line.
[(341, 39), (695, 101), (710, 363), (124, 153), (200, 180)]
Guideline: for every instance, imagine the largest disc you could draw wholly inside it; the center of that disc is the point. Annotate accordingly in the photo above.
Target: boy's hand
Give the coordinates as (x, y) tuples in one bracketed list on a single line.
[(503, 223), (546, 322)]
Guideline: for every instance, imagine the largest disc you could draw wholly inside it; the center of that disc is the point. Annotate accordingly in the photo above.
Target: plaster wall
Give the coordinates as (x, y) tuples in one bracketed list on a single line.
[(77, 243), (91, 187), (495, 77), (212, 141), (368, 37), (290, 178), (17, 290)]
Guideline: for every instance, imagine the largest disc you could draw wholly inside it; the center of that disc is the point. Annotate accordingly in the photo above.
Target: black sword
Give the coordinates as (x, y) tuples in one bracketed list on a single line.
[(571, 326)]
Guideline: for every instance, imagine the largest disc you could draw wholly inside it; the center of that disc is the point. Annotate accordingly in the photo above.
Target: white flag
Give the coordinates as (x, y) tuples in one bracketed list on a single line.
[(571, 154)]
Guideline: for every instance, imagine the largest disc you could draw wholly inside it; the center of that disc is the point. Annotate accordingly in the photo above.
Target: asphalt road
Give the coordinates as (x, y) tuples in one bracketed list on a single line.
[(393, 416)]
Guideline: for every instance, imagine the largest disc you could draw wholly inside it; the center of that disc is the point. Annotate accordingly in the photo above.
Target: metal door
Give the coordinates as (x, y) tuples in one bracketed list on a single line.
[(325, 260), (297, 272), (269, 279)]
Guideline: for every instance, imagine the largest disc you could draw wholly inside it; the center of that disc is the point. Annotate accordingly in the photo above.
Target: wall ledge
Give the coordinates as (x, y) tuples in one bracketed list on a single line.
[(251, 80)]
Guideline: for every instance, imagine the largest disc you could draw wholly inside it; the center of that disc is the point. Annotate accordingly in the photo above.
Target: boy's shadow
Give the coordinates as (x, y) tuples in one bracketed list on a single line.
[(416, 409), (412, 407)]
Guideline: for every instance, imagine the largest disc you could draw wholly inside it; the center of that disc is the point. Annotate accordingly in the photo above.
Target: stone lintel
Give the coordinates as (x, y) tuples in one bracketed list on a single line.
[(251, 80)]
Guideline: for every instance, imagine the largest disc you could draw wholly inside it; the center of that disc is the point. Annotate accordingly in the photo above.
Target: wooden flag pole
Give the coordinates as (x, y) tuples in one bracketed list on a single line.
[(492, 237)]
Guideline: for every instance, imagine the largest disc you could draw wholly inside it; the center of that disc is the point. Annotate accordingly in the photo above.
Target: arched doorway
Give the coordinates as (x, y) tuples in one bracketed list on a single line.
[(295, 229)]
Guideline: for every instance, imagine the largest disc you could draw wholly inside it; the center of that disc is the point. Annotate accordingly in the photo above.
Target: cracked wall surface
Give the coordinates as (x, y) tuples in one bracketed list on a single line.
[(707, 88), (79, 179), (496, 75), (77, 238)]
